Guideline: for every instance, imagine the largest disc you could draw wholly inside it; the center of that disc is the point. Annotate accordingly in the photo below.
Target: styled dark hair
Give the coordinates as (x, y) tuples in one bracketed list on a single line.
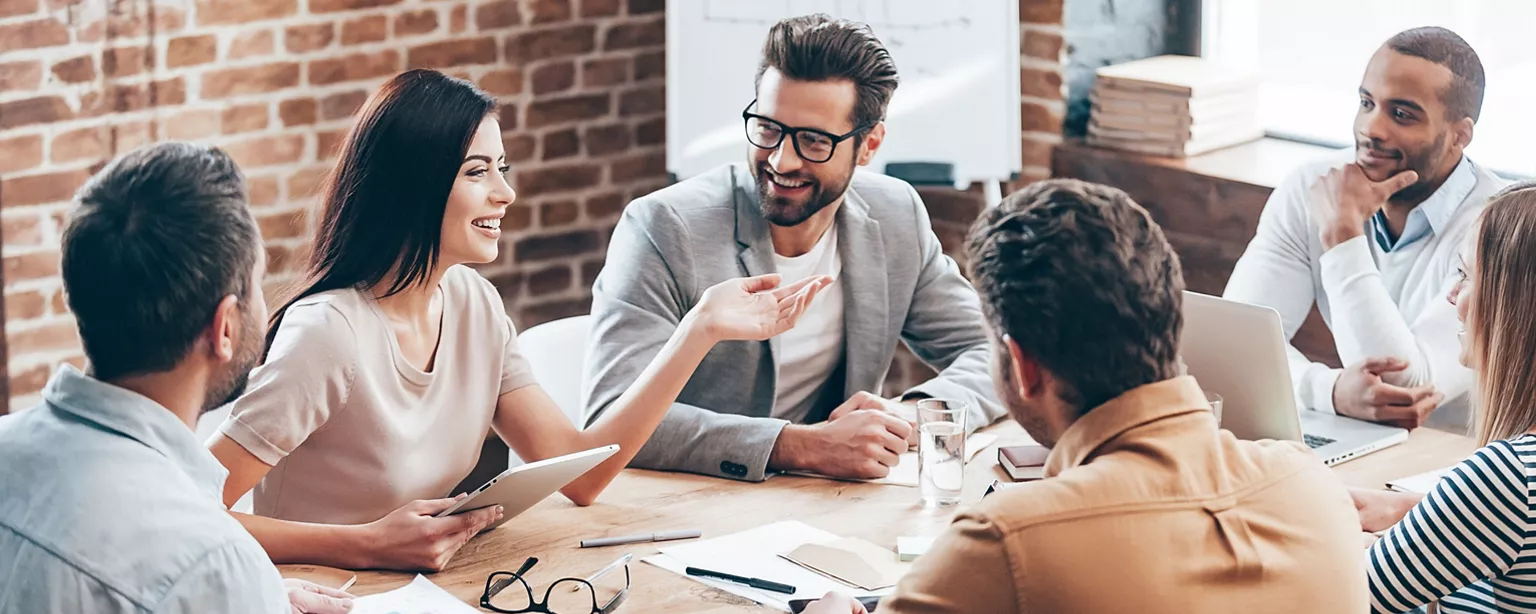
[(821, 48), (1082, 279), (1464, 98), (157, 239), (384, 200)]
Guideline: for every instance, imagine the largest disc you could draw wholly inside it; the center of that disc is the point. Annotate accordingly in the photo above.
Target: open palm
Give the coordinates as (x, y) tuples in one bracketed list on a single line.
[(756, 308)]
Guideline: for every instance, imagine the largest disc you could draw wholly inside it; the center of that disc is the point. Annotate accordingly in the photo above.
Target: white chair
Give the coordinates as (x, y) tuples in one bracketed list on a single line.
[(557, 353)]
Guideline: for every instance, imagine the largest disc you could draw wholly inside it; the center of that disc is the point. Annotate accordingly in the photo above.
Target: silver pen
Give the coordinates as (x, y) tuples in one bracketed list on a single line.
[(643, 537)]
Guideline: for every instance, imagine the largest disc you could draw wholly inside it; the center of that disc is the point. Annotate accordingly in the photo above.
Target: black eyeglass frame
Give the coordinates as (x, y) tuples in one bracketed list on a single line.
[(493, 587), (792, 133)]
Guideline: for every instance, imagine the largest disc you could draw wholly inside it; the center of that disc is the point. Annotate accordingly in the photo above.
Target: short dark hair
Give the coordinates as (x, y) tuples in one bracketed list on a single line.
[(1464, 98), (157, 239), (1083, 280), (821, 48)]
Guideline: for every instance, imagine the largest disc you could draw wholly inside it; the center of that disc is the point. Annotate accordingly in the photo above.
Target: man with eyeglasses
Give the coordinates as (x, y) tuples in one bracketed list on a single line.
[(809, 400)]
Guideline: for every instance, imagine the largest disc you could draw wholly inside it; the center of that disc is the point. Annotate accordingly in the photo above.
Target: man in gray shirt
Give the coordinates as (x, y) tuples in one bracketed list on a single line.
[(808, 400), (108, 503)]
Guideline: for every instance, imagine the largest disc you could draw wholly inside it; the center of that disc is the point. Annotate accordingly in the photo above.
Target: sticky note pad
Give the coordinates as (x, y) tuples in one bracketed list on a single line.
[(909, 548)]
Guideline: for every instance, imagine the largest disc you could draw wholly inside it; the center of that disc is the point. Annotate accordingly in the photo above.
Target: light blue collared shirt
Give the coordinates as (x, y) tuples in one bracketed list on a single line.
[(108, 503), (1432, 215)]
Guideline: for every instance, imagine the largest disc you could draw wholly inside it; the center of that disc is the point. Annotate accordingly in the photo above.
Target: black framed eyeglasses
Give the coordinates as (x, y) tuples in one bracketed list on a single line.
[(811, 145), (603, 592)]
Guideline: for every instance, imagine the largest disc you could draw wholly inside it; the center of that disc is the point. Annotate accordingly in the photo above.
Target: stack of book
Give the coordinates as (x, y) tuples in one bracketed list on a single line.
[(1174, 105)]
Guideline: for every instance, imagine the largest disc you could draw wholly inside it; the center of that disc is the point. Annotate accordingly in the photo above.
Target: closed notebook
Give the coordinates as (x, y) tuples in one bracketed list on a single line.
[(1026, 462), (852, 561)]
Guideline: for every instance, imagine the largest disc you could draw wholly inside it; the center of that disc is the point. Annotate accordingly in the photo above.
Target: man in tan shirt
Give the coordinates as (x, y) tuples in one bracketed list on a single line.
[(1147, 506)]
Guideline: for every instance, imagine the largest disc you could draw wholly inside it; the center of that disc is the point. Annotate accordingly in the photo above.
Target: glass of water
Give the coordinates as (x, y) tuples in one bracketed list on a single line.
[(940, 451)]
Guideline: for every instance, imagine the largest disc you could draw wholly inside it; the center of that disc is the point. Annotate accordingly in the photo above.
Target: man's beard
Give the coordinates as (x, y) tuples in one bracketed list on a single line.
[(785, 213), (231, 383), (1423, 161)]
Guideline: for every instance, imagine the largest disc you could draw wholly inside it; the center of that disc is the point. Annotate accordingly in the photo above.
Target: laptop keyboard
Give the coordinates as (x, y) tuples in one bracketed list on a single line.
[(1313, 441)]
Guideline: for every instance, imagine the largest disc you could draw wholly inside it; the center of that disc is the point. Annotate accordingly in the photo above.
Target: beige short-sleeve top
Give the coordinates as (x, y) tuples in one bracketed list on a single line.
[(352, 430)]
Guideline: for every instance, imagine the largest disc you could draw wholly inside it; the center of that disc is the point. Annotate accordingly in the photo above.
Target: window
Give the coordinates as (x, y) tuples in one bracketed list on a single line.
[(1311, 54)]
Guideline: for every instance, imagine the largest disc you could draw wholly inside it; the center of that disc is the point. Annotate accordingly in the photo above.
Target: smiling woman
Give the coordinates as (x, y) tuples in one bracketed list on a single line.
[(386, 370)]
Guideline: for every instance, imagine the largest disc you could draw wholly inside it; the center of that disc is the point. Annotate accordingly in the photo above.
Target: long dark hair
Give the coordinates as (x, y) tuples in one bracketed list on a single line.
[(385, 199)]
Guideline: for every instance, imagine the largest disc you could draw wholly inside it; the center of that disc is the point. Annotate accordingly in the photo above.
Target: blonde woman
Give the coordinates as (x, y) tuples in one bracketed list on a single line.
[(1466, 544)]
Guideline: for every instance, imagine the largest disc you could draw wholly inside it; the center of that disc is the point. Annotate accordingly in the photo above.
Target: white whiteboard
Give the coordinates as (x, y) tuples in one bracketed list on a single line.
[(958, 60)]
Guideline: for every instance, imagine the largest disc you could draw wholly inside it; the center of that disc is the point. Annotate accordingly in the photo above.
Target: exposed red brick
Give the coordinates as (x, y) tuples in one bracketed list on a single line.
[(194, 125), (60, 305), (554, 77), (519, 147), (218, 12), (553, 280), (15, 8), (506, 114), (284, 225), (508, 82), (262, 189), (354, 67), (558, 213), (412, 23), (551, 43), (651, 33), (550, 247), (458, 20), (297, 111), (30, 266), (267, 151), (553, 111), (651, 65), (278, 258), (651, 132), (1038, 118), (589, 271), (604, 72), (539, 313), (26, 304), (1040, 83), (639, 167), (1047, 12), (643, 101), (20, 153), (21, 76), (564, 178), (125, 98), (191, 50), (606, 140), (125, 61), (30, 379), (250, 80), (1043, 45), (561, 144), (453, 53), (76, 70), (22, 230), (307, 38), (641, 7), (304, 183), (50, 337), (1036, 152), (370, 29), (124, 136), (548, 11), (40, 189), (79, 144), (33, 34), (599, 8), (33, 111), (338, 106), (605, 205), (245, 118), (328, 144), (498, 14), (252, 44), (518, 217), (331, 6)]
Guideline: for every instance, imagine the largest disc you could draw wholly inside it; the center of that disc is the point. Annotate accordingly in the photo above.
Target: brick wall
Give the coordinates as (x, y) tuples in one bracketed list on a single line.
[(276, 81)]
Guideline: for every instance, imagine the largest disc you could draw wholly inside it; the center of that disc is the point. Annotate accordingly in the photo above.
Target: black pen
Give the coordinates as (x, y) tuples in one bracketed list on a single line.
[(766, 585)]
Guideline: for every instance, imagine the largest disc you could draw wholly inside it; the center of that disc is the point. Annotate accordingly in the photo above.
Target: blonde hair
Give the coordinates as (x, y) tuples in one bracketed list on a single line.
[(1502, 317)]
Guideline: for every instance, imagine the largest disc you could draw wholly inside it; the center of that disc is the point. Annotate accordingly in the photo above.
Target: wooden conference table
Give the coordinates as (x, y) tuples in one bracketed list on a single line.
[(646, 501)]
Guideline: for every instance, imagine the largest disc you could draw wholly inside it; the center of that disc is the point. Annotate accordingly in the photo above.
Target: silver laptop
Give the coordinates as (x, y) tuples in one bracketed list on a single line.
[(1237, 350)]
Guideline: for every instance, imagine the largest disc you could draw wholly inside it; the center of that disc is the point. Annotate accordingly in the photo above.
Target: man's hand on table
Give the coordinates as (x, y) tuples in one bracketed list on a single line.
[(309, 598)]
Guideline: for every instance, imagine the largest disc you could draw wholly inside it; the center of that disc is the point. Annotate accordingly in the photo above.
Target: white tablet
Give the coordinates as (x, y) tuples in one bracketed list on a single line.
[(523, 486)]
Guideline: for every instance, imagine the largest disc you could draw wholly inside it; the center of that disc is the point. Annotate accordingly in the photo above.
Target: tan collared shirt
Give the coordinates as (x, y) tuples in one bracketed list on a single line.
[(1148, 507)]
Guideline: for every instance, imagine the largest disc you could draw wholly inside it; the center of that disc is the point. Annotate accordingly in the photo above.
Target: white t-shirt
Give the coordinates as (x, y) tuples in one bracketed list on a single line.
[(808, 353)]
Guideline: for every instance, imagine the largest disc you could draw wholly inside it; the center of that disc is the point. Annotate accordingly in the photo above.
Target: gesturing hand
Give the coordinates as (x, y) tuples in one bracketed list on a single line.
[(755, 308)]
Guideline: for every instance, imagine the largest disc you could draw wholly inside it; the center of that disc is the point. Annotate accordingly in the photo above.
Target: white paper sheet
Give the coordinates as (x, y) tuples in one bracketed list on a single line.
[(905, 471), (1421, 483), (421, 596), (754, 553)]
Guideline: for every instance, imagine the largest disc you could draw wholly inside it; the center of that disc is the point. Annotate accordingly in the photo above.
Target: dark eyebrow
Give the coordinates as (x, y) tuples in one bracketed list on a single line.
[(1364, 92), (486, 159)]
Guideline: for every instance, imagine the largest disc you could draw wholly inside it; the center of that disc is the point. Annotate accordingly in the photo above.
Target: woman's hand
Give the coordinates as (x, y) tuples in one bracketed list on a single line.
[(754, 308)]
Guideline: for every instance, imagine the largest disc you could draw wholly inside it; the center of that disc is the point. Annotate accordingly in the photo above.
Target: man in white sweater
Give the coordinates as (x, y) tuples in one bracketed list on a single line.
[(1373, 239)]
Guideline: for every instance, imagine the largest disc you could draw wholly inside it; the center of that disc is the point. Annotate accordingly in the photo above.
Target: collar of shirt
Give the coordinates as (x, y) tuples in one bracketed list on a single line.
[(1432, 215), (136, 417), (1099, 431)]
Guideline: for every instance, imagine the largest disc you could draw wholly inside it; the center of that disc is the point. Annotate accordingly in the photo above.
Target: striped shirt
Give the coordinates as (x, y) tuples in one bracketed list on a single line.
[(1468, 543)]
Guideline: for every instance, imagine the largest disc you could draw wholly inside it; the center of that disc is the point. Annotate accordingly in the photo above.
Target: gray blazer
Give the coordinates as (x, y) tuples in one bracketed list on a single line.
[(673, 244)]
